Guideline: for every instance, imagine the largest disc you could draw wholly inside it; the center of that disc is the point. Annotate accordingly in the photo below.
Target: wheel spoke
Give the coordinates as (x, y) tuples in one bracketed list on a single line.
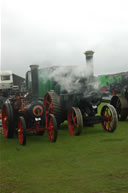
[(52, 128), (109, 116), (21, 131), (109, 125)]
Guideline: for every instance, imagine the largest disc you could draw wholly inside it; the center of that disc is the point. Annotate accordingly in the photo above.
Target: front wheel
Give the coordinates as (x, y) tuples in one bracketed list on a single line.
[(52, 128), (22, 131), (7, 120), (75, 121), (109, 118)]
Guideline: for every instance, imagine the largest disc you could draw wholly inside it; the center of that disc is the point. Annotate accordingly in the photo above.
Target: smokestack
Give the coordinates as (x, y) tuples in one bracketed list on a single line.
[(89, 60), (34, 76)]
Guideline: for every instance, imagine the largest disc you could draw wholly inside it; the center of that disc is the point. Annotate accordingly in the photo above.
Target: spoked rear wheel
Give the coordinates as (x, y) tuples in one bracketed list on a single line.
[(52, 106), (75, 121), (52, 128), (121, 105), (109, 118), (22, 130), (7, 120)]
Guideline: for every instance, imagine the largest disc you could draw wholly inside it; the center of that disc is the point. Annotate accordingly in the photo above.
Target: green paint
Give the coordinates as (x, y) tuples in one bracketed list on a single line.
[(109, 79), (45, 84)]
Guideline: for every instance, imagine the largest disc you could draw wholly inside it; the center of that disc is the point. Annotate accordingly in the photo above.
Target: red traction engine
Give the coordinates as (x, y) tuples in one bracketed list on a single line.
[(25, 113)]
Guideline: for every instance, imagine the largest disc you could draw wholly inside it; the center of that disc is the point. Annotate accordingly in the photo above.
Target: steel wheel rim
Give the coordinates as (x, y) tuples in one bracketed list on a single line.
[(75, 121), (109, 118)]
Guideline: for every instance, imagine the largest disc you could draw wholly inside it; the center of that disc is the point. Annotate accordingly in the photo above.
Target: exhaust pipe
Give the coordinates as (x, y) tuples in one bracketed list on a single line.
[(89, 61), (34, 76)]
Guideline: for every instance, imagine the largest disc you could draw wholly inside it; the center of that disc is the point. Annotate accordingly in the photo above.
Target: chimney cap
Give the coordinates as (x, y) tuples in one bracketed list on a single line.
[(89, 53), (34, 66)]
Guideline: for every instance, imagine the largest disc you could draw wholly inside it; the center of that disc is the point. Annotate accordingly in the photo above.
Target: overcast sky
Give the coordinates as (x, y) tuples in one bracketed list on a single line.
[(57, 32)]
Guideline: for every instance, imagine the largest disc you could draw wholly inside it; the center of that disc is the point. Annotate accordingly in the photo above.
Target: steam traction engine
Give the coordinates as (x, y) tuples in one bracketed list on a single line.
[(25, 113), (80, 111), (80, 108), (120, 102)]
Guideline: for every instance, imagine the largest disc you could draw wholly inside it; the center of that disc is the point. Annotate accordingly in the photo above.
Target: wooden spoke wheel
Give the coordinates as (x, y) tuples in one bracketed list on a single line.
[(52, 128), (21, 130), (121, 105), (75, 121), (7, 120), (109, 118), (52, 106)]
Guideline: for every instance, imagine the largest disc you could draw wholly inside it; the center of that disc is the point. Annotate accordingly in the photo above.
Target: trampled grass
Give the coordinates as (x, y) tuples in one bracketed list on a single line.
[(94, 162)]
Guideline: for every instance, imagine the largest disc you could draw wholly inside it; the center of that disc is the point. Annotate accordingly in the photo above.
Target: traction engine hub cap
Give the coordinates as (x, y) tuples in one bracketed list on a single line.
[(38, 110)]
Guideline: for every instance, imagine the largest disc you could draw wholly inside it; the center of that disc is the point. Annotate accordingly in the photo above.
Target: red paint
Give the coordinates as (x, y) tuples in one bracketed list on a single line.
[(50, 128), (20, 132), (5, 121), (72, 122)]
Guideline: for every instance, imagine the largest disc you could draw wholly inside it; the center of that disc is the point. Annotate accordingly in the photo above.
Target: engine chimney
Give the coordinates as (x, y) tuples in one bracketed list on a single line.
[(34, 76), (89, 61)]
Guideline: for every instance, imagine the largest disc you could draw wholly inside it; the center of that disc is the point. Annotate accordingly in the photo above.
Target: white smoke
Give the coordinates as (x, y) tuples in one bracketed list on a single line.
[(71, 78)]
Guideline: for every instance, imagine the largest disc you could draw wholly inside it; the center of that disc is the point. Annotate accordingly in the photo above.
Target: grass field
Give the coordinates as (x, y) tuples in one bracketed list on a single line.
[(94, 162)]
